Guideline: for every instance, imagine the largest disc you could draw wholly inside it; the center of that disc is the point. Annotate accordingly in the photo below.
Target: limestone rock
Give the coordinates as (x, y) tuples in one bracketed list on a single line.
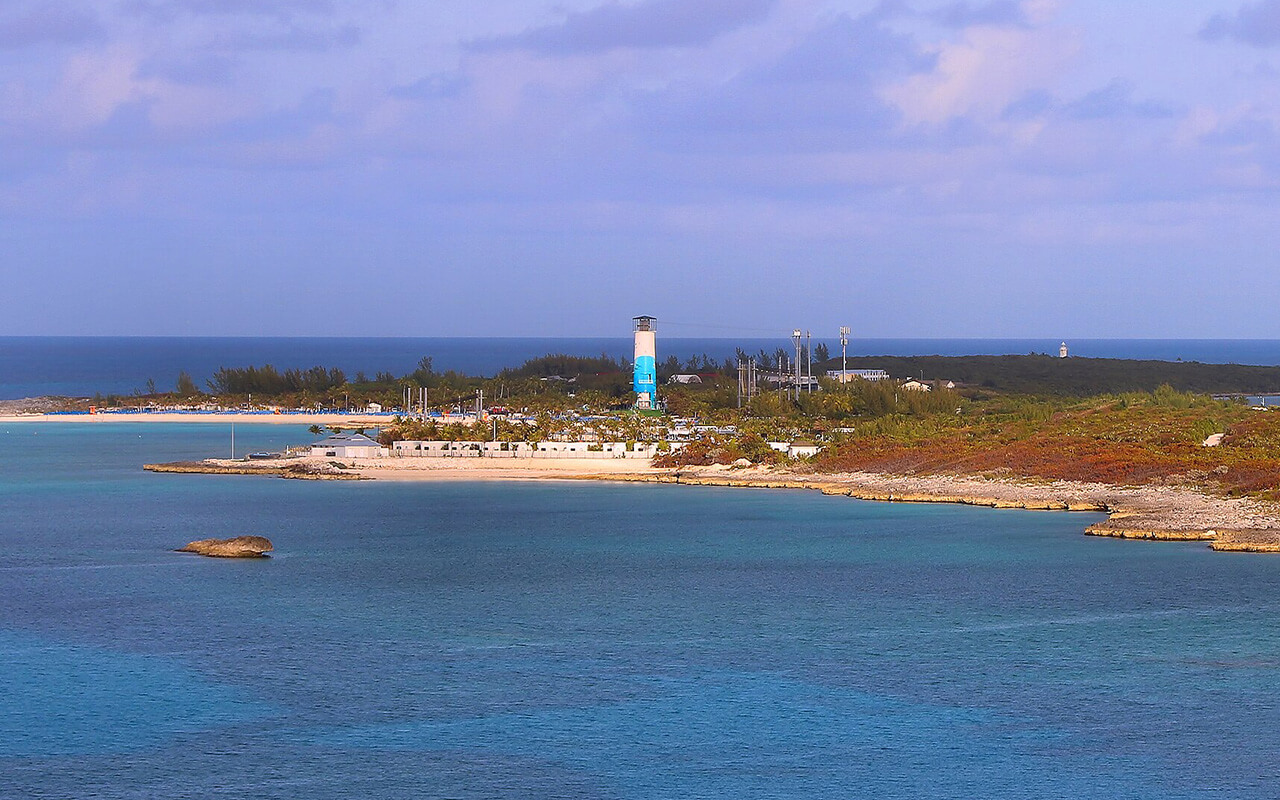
[(238, 547), (1258, 541)]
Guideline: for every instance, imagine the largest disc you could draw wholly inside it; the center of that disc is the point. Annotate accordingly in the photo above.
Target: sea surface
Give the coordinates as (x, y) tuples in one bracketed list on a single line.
[(576, 640), (36, 366)]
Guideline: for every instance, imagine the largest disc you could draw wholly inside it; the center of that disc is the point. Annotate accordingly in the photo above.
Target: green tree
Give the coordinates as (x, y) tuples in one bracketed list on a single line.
[(186, 386), (424, 373)]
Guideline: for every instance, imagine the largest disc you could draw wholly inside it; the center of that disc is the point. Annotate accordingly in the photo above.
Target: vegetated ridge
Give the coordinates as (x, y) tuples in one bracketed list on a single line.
[(1075, 377)]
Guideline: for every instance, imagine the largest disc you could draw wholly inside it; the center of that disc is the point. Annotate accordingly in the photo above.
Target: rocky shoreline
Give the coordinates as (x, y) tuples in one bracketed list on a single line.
[(296, 470), (1154, 513)]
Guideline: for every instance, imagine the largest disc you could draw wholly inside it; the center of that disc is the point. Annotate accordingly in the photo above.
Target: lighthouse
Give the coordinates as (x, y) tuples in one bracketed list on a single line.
[(645, 379)]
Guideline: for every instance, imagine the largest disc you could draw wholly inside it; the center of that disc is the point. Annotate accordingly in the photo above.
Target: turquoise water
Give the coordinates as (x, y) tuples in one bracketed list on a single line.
[(513, 640)]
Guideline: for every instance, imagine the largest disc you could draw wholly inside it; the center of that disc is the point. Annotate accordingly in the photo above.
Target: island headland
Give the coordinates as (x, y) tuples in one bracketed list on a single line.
[(1174, 451)]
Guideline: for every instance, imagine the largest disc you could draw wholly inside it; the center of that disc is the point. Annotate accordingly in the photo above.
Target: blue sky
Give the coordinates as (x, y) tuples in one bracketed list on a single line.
[(391, 167)]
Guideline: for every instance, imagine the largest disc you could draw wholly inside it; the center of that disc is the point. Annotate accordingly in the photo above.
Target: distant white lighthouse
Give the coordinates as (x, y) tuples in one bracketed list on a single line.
[(1062, 350)]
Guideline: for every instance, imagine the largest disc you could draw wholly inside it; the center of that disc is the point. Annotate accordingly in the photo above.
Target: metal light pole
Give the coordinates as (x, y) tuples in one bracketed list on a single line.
[(796, 336), (808, 346), (844, 345)]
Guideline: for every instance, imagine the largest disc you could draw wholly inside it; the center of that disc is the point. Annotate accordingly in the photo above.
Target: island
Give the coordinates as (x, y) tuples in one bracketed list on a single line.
[(1168, 450)]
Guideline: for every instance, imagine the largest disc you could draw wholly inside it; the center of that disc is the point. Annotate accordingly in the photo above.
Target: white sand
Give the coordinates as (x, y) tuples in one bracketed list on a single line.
[(473, 469), (342, 420)]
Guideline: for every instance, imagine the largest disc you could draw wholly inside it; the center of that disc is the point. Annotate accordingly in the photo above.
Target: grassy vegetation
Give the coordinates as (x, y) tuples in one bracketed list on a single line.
[(1133, 438), (1075, 377), (1121, 438)]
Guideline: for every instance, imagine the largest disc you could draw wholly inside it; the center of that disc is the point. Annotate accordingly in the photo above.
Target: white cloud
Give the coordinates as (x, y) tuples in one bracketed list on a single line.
[(981, 71)]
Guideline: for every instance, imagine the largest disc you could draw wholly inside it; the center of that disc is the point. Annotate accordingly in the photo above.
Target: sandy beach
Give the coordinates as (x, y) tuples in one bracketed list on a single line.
[(473, 469), (225, 418), (432, 469)]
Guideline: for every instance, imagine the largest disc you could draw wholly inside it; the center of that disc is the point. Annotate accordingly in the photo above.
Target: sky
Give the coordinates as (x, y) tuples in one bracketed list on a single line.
[(909, 168)]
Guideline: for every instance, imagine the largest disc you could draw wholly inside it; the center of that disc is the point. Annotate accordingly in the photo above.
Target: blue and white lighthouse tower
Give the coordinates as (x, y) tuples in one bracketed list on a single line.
[(645, 381)]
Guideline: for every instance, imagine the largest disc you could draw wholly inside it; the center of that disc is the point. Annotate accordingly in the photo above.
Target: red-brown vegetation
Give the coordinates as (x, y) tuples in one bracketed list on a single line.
[(1116, 441)]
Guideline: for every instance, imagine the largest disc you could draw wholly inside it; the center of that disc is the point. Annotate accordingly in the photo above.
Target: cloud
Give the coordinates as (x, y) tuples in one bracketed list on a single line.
[(294, 38), (996, 12), (820, 93), (48, 23), (1032, 104), (1116, 100), (169, 10), (648, 24), (193, 69), (446, 84), (981, 72), (1256, 24)]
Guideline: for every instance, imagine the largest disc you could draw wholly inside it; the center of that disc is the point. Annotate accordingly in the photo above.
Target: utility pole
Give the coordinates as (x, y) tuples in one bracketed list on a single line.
[(796, 337), (844, 346), (746, 381), (808, 346)]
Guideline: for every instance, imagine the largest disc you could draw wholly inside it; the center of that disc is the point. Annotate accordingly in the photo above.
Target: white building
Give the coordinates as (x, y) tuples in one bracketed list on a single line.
[(916, 386), (348, 445), (846, 375), (797, 449), (803, 450), (1062, 350), (576, 449)]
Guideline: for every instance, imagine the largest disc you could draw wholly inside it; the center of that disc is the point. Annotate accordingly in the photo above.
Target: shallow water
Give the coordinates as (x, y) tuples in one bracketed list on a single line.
[(577, 640)]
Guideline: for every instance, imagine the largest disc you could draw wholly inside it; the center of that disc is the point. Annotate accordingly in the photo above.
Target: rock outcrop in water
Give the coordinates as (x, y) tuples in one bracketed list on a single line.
[(304, 470), (238, 547)]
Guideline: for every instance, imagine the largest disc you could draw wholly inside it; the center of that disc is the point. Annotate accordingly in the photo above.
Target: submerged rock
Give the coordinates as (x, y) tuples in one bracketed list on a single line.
[(238, 547)]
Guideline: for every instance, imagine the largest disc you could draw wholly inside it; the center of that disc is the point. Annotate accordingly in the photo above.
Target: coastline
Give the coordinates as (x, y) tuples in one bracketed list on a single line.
[(223, 417), (1151, 512)]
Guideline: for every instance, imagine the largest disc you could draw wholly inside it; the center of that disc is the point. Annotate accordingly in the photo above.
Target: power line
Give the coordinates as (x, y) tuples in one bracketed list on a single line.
[(773, 331)]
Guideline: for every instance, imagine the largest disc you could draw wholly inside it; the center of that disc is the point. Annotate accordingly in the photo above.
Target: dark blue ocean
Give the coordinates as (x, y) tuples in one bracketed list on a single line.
[(571, 640), (84, 366)]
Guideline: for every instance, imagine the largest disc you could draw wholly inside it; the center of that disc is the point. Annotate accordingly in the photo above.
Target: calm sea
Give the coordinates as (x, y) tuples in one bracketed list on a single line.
[(83, 366), (523, 640)]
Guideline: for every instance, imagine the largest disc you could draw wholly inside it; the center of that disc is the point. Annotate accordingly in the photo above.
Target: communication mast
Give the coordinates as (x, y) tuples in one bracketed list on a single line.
[(844, 346), (808, 354), (796, 336)]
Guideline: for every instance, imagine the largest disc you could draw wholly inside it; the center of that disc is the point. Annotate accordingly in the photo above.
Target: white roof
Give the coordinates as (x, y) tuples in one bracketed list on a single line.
[(346, 440)]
